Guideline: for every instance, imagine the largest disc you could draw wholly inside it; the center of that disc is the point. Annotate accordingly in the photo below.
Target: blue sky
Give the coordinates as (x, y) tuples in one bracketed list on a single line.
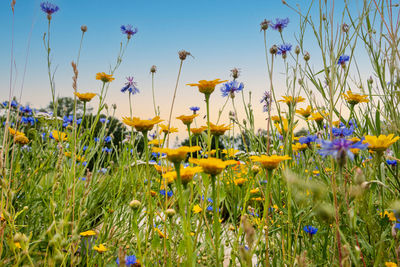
[(220, 34)]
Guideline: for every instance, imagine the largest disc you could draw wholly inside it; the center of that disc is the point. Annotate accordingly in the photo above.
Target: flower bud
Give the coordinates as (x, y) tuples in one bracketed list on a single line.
[(235, 73), (297, 50), (273, 50), (370, 80), (264, 25), (153, 69), (135, 204), (345, 27), (83, 28), (306, 56), (183, 54), (170, 212)]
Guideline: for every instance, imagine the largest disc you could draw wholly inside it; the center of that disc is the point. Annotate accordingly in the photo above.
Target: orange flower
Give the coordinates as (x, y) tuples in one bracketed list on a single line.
[(207, 87), (198, 131), (270, 162), (178, 154), (212, 166), (164, 129), (105, 78), (141, 125), (354, 99), (218, 130), (289, 99), (85, 97), (187, 119)]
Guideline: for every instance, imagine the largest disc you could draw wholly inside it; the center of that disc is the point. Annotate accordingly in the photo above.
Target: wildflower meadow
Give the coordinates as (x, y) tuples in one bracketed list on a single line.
[(314, 182)]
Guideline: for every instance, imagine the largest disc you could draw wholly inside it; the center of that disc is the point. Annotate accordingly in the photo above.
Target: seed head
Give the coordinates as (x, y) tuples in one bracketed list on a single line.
[(83, 28), (306, 56), (345, 27), (273, 50), (183, 54), (235, 73), (264, 25), (153, 69)]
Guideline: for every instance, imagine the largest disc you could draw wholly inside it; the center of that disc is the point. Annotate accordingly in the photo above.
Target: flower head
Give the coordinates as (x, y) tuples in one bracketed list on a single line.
[(280, 24), (342, 60), (212, 166), (264, 25), (230, 88), (266, 100), (130, 86), (380, 143), (207, 87), (283, 49), (340, 148), (197, 209), (49, 8), (129, 260), (390, 264), (21, 139), (105, 78), (354, 99), (307, 139), (187, 120), (128, 30), (176, 155), (285, 126), (194, 109), (318, 117), (85, 97), (198, 131), (289, 100), (218, 130), (304, 112), (88, 233), (141, 125), (310, 230), (100, 248), (185, 173), (168, 129), (58, 136), (269, 162)]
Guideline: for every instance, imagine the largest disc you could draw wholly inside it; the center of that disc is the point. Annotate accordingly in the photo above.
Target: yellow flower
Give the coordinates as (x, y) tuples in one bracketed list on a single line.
[(212, 166), (318, 117), (390, 264), (354, 99), (218, 130), (160, 234), (156, 142), (285, 124), (187, 119), (354, 150), (176, 155), (269, 162), (21, 139), (289, 99), (78, 158), (198, 131), (164, 129), (186, 174), (391, 216), (336, 123), (197, 209), (380, 143), (100, 248), (240, 181), (14, 132), (59, 136), (255, 191), (163, 169), (17, 245), (207, 87), (304, 112), (299, 147), (105, 78), (230, 152), (85, 97), (354, 139), (141, 125), (275, 118), (88, 233)]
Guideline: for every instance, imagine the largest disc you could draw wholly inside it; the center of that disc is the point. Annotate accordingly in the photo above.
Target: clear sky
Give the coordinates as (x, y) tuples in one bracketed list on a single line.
[(220, 34)]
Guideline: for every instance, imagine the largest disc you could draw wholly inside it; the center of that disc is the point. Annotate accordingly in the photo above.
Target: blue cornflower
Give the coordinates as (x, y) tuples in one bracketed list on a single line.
[(107, 139), (343, 59), (283, 48), (353, 123), (310, 230), (27, 110), (342, 131), (194, 109), (129, 260), (107, 150), (103, 170), (82, 178), (104, 120), (339, 148), (210, 200), (230, 88), (266, 100), (210, 208), (49, 8), (96, 139), (130, 86), (169, 193), (397, 226), (67, 120), (280, 24), (84, 148), (128, 30), (43, 136), (307, 139), (391, 162)]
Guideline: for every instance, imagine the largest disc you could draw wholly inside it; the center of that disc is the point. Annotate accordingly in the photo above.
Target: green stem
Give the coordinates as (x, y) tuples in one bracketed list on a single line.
[(216, 223)]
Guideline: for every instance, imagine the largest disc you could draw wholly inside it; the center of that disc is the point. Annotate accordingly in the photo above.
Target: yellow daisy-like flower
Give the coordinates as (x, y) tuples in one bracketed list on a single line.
[(156, 142), (299, 147), (187, 119), (197, 209), (290, 99), (354, 99), (186, 174), (162, 169), (85, 97), (78, 158), (105, 78), (275, 118), (14, 132), (380, 143), (164, 129), (240, 181), (21, 139), (141, 125), (336, 123), (390, 264), (100, 248), (269, 162), (212, 166), (59, 136), (198, 131), (230, 152), (88, 233), (160, 234), (218, 130), (354, 139), (17, 245), (285, 124), (207, 87), (355, 151), (304, 112), (318, 117), (176, 155), (255, 191)]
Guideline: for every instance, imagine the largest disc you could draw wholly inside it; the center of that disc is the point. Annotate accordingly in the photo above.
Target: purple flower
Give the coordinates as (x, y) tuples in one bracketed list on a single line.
[(230, 88), (310, 230), (266, 100), (130, 86), (284, 48), (342, 131), (128, 30), (343, 59), (280, 24), (307, 139), (129, 260), (49, 8), (340, 148)]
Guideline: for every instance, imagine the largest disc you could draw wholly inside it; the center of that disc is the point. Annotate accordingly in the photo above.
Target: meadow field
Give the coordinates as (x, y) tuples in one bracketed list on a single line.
[(314, 182)]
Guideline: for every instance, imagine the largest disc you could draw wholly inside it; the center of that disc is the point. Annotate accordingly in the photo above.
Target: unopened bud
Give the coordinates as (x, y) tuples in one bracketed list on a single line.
[(183, 54), (306, 56), (255, 169), (273, 50), (114, 106), (345, 27), (297, 50), (135, 204), (370, 80), (235, 73), (264, 25), (153, 69), (83, 28), (170, 212)]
